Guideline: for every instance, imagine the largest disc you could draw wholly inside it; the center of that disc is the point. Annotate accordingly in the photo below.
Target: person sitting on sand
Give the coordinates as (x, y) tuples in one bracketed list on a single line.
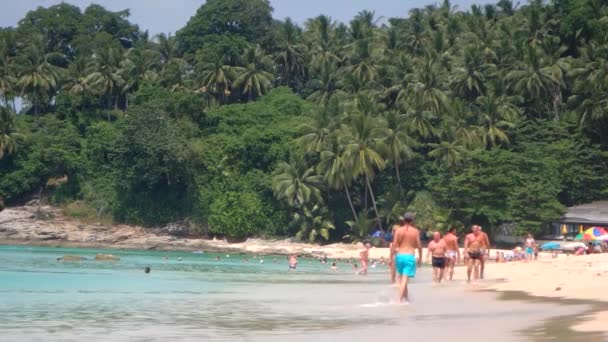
[(473, 247), (436, 250), (364, 258), (293, 262), (453, 252), (406, 241)]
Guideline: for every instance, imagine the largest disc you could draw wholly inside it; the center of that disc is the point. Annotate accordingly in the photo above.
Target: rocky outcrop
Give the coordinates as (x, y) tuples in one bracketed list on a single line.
[(106, 257), (20, 225)]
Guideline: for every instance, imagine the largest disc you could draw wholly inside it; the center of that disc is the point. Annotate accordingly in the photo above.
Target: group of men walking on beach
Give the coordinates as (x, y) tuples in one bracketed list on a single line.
[(442, 251)]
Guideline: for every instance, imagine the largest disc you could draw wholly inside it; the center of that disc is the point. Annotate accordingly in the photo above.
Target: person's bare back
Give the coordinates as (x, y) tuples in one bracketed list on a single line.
[(407, 239), (451, 242)]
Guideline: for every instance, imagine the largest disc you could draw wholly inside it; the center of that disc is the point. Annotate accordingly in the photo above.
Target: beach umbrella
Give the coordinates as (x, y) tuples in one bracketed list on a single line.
[(550, 246), (585, 237), (602, 238), (595, 231)]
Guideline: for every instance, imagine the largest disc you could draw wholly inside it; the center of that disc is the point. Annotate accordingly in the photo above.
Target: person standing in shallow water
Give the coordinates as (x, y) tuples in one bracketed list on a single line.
[(364, 259), (293, 262), (436, 252), (453, 252), (474, 245), (405, 242)]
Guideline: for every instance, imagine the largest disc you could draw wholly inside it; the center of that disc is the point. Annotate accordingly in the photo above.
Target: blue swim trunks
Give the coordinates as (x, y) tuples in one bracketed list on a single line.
[(405, 264)]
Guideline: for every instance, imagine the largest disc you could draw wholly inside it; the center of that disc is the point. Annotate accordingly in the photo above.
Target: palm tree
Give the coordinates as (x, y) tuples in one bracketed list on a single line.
[(399, 143), (105, 79), (297, 184), (495, 115), (76, 79), (9, 138), (312, 221), (364, 152), (8, 80), (425, 90), (326, 87), (139, 65), (253, 79), (290, 57), (469, 80), (316, 135), (531, 79), (216, 78), (363, 65), (37, 76), (448, 153), (337, 172)]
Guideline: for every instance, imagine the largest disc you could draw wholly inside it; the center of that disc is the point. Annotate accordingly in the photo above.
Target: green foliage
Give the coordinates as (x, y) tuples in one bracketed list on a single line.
[(245, 125), (237, 215), (153, 171), (245, 19)]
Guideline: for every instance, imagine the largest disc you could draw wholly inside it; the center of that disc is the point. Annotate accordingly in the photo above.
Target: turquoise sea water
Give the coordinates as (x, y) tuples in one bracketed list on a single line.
[(200, 298)]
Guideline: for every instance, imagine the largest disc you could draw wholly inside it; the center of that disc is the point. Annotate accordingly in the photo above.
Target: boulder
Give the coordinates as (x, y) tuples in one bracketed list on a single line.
[(106, 257), (71, 258)]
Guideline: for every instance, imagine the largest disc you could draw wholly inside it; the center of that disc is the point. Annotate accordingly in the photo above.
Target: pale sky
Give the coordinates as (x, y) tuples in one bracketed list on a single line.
[(168, 16)]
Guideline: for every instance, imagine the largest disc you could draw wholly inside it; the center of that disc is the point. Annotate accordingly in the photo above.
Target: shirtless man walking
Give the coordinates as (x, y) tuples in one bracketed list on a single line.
[(474, 244), (436, 250), (406, 241), (453, 252)]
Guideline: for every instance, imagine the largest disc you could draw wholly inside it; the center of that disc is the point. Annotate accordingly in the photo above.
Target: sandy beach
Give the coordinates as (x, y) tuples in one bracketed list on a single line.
[(568, 277)]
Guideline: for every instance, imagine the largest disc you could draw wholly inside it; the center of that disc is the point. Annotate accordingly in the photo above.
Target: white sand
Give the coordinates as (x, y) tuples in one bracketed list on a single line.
[(574, 277)]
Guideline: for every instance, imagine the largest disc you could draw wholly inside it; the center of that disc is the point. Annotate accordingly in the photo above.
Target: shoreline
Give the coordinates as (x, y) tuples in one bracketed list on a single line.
[(564, 280), (578, 278)]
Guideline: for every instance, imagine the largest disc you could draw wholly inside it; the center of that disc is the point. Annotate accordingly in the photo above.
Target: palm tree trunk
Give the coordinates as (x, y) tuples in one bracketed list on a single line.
[(350, 202), (14, 106), (371, 192), (365, 197), (398, 179)]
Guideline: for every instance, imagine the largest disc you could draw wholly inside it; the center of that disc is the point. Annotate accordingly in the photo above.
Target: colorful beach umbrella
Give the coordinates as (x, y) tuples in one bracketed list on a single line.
[(585, 237), (596, 231)]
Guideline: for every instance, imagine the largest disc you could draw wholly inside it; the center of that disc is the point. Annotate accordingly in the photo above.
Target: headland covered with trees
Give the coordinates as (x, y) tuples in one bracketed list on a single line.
[(242, 124)]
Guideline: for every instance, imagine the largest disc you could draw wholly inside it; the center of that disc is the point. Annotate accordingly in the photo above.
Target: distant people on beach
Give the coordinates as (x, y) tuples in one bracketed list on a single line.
[(452, 252), (475, 245), (406, 241), (530, 245), (364, 259), (293, 262), (436, 251)]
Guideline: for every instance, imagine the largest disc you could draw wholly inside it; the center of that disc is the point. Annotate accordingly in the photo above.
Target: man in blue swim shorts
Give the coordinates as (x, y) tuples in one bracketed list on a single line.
[(406, 240)]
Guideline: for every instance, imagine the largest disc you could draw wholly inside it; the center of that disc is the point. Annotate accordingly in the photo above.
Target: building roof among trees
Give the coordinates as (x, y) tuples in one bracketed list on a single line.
[(595, 213)]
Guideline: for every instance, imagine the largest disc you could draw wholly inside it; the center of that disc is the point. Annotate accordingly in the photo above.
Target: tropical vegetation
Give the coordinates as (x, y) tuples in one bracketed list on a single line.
[(247, 125)]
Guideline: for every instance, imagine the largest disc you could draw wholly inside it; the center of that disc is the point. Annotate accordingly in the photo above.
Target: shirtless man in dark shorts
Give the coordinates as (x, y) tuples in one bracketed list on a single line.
[(405, 242), (453, 252), (474, 245), (436, 251)]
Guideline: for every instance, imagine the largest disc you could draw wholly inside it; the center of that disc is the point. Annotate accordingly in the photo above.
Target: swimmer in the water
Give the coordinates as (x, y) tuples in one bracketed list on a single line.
[(293, 262), (333, 266), (147, 270)]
